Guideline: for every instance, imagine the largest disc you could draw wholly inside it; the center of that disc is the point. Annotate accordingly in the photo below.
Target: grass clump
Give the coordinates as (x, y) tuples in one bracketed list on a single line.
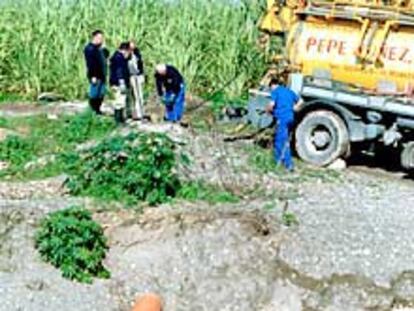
[(262, 160), (199, 191), (17, 150), (289, 219), (74, 243), (137, 167)]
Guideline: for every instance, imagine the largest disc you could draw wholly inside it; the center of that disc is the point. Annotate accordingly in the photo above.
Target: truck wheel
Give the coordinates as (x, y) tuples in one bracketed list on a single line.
[(321, 138), (407, 157)]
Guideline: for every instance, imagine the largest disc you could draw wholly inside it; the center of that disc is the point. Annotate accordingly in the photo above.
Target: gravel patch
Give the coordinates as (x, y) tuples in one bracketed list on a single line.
[(362, 226)]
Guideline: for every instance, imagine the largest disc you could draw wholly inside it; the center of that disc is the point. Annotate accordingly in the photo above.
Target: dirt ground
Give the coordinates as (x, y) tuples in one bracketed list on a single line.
[(351, 249)]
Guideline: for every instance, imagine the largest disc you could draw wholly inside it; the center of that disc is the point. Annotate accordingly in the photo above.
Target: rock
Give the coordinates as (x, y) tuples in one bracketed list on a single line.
[(86, 146), (40, 162), (49, 97), (338, 165), (4, 165), (403, 287), (285, 298), (52, 116)]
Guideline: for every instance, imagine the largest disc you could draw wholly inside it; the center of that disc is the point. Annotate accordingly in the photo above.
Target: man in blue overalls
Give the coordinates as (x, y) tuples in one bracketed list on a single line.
[(170, 86), (282, 109)]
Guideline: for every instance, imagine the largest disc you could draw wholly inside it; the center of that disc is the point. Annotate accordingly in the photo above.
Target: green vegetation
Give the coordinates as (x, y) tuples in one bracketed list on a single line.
[(6, 97), (220, 100), (289, 219), (138, 167), (41, 137), (198, 191), (212, 42), (263, 162), (73, 242), (16, 150)]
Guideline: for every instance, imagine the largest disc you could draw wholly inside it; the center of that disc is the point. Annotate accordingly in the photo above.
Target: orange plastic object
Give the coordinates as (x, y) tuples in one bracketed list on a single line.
[(148, 302)]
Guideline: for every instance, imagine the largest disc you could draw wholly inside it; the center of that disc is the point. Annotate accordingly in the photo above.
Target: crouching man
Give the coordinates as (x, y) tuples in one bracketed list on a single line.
[(171, 87), (119, 80)]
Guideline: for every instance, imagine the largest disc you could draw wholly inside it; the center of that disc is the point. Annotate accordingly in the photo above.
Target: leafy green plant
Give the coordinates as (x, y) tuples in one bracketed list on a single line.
[(137, 167), (73, 242), (16, 150)]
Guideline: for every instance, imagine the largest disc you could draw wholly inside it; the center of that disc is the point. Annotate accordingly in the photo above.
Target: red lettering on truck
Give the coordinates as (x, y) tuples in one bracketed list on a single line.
[(326, 46), (321, 45), (397, 54), (342, 48), (311, 42), (392, 53), (332, 44), (404, 56)]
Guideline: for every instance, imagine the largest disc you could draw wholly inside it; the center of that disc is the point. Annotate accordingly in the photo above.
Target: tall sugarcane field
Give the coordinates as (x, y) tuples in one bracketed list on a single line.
[(41, 41), (220, 155)]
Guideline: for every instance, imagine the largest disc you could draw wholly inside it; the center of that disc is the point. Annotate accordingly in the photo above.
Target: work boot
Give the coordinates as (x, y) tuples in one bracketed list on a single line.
[(99, 102), (119, 116), (92, 103), (95, 104)]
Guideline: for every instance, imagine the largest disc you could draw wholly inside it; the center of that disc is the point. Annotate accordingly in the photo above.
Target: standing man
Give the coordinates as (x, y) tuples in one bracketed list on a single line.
[(119, 80), (171, 86), (96, 70), (136, 72), (282, 109)]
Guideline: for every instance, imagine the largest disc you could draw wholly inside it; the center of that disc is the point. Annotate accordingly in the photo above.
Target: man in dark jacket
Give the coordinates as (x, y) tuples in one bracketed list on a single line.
[(96, 70), (171, 86), (119, 80)]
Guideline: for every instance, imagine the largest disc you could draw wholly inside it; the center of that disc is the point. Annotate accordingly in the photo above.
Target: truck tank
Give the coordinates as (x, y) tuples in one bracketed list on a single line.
[(369, 44)]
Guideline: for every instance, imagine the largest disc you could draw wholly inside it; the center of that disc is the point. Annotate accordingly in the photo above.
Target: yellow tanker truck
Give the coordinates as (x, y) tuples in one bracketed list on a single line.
[(352, 63)]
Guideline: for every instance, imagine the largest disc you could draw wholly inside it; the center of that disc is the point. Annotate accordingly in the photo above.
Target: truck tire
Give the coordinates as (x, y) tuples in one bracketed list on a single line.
[(407, 157), (321, 138)]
